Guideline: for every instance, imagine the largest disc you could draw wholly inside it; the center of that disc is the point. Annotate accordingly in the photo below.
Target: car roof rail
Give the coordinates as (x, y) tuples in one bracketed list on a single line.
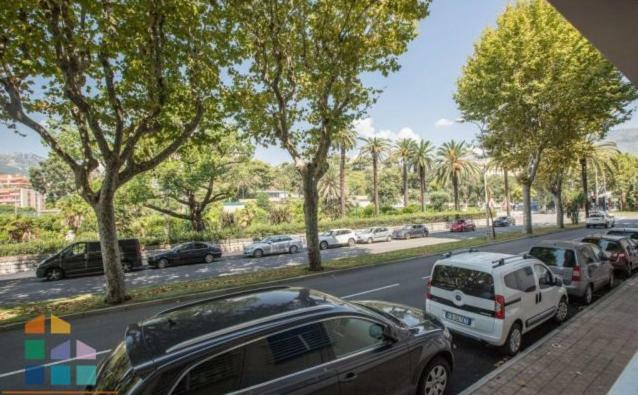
[(467, 250), (219, 297), (503, 261)]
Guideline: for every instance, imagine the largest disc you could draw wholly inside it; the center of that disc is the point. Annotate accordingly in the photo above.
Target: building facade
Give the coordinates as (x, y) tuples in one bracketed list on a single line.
[(16, 191)]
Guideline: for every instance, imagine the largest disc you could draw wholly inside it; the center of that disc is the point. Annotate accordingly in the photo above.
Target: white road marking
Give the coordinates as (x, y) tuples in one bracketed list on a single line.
[(370, 291), (7, 374)]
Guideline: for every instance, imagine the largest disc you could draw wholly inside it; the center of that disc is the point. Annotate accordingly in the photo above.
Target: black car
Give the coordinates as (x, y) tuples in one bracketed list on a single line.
[(281, 340), (504, 221), (85, 257), (181, 254)]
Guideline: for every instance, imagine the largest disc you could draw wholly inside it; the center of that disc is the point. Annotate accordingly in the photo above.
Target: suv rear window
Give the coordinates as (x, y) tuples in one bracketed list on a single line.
[(552, 256), (470, 282)]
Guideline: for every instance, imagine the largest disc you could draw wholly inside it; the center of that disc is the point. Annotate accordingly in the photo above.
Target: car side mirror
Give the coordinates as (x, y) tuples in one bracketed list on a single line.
[(388, 333), (558, 281)]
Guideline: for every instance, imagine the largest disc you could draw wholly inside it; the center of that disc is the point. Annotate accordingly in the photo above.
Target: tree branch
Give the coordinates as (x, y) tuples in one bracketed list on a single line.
[(166, 211)]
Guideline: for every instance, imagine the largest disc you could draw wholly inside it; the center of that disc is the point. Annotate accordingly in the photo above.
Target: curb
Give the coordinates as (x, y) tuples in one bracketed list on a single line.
[(483, 380), (205, 294)]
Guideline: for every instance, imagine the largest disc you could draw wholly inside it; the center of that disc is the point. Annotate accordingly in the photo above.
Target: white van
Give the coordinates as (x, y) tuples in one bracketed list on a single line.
[(495, 298)]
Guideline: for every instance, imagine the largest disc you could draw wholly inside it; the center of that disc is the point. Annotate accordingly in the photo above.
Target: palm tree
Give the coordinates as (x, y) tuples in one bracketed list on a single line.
[(345, 140), (329, 191), (601, 156), (454, 164), (422, 160), (374, 148), (403, 150)]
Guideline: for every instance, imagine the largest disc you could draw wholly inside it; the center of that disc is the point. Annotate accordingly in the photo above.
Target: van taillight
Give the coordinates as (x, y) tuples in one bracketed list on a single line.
[(576, 273), (428, 293), (499, 307)]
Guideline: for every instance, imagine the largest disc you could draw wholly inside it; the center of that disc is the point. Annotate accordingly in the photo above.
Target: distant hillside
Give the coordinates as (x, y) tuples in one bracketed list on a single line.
[(18, 162), (627, 139)]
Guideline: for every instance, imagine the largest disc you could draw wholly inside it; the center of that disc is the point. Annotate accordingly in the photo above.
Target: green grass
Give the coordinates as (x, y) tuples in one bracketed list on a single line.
[(88, 302)]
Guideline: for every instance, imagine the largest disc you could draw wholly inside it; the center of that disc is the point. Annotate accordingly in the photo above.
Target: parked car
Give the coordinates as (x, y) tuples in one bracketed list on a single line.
[(504, 221), (373, 234), (583, 267), (186, 253), (621, 251), (281, 340), (462, 225), (494, 298), (273, 245), (85, 257), (410, 231), (632, 233), (337, 238), (600, 218)]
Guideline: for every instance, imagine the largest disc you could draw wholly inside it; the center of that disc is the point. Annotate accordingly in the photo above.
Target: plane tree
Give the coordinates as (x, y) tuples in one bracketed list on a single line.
[(136, 80), (303, 83)]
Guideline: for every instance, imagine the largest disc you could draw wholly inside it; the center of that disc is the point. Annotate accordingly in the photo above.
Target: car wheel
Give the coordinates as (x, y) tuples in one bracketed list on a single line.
[(126, 267), (369, 241), (55, 274), (514, 340), (293, 249), (351, 242), (258, 253), (435, 377), (589, 295), (209, 258), (162, 263), (323, 245), (561, 311)]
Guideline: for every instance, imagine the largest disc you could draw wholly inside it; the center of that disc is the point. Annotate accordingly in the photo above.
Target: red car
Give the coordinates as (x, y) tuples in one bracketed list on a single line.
[(462, 225)]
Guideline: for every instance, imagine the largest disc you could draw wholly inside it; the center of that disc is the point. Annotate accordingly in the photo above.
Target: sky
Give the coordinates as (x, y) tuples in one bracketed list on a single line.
[(416, 101)]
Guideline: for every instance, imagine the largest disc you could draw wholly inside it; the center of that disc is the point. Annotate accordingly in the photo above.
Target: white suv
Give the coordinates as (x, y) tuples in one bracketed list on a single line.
[(495, 298), (600, 218), (336, 238)]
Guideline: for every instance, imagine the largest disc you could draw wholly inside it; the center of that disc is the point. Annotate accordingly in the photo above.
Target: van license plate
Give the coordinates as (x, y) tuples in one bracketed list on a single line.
[(458, 318)]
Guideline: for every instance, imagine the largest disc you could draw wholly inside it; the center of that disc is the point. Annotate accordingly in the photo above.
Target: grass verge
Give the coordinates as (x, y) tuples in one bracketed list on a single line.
[(88, 302)]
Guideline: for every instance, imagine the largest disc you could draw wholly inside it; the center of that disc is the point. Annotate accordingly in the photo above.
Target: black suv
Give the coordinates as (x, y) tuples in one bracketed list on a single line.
[(85, 257), (281, 340)]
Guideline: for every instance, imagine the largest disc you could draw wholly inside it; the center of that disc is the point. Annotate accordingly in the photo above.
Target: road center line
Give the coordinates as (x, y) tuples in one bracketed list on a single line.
[(7, 374), (370, 291)]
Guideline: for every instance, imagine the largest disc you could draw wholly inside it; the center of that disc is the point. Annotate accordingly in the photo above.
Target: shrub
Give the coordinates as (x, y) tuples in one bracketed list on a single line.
[(439, 199), (279, 215)]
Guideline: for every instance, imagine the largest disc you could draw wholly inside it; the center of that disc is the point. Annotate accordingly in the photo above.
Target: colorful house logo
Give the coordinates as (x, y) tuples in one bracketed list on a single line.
[(64, 358)]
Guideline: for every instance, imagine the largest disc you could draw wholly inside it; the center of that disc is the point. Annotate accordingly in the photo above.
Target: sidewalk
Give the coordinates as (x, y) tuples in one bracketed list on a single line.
[(585, 356)]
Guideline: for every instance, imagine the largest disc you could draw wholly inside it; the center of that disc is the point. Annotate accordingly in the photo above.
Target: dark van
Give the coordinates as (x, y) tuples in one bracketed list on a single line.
[(85, 257)]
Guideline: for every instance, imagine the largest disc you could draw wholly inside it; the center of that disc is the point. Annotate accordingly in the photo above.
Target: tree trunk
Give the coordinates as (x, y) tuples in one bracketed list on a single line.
[(375, 184), (527, 208), (405, 183), (455, 190), (197, 220), (507, 192), (596, 187), (422, 188), (557, 194), (310, 207), (113, 273), (342, 182), (583, 178)]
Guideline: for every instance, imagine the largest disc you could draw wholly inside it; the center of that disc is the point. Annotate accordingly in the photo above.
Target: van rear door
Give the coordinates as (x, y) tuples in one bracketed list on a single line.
[(466, 297), (561, 261)]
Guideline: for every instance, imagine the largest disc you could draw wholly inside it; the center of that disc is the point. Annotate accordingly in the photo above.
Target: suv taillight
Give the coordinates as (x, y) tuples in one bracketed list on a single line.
[(428, 294), (499, 307), (576, 273)]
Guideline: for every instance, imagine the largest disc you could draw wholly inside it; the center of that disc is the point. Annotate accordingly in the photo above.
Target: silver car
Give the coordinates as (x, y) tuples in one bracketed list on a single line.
[(583, 266), (273, 245), (373, 234)]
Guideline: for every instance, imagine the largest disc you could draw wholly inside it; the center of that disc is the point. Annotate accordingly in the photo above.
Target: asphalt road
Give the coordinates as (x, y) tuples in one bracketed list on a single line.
[(402, 283), (25, 287)]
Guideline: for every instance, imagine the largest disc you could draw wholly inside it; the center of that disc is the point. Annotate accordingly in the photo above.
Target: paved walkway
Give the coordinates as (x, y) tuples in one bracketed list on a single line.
[(585, 356)]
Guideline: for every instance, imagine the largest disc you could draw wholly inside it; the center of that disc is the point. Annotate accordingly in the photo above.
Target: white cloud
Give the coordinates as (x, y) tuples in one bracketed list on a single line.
[(365, 128), (443, 123)]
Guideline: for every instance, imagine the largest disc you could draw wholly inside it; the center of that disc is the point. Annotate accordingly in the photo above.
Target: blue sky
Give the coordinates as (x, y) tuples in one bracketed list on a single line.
[(415, 98)]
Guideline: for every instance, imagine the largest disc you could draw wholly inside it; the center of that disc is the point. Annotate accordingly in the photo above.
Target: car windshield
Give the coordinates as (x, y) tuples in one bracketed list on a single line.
[(366, 230), (407, 227), (267, 239), (180, 247), (552, 256), (470, 282), (501, 218), (605, 245), (328, 233)]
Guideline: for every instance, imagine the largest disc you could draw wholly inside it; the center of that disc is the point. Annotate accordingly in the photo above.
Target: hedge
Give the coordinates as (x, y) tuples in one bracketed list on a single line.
[(256, 230)]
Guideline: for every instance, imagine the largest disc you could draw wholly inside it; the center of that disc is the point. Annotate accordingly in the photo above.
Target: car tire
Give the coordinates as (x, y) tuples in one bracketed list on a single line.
[(589, 295), (293, 249), (126, 267), (561, 311), (209, 258), (258, 253), (514, 340), (162, 263), (323, 245), (351, 242), (54, 274), (369, 241), (435, 377)]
